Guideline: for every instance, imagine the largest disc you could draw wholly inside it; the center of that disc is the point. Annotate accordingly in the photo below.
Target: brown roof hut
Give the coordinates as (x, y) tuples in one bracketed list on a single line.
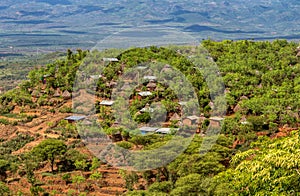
[(244, 97), (237, 108), (166, 68), (57, 93), (175, 117), (66, 94), (35, 94), (151, 86), (215, 121), (191, 120)]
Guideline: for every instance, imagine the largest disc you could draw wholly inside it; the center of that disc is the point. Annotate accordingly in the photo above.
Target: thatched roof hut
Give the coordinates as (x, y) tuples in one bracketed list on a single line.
[(237, 108), (151, 85), (57, 93), (166, 68), (35, 94), (260, 85), (66, 94), (175, 117), (116, 124), (126, 86), (211, 105), (244, 97), (227, 90)]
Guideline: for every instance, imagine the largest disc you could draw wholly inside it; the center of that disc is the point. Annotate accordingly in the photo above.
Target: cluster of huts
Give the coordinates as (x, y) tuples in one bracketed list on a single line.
[(194, 121), (151, 86), (57, 93)]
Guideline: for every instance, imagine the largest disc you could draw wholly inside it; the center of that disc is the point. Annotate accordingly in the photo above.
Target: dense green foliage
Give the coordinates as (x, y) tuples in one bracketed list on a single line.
[(270, 168), (262, 92), (15, 143), (267, 73), (262, 96), (42, 81), (49, 150)]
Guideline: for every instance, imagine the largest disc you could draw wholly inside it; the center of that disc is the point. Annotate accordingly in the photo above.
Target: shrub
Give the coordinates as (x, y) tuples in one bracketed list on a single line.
[(4, 121), (165, 186), (65, 109)]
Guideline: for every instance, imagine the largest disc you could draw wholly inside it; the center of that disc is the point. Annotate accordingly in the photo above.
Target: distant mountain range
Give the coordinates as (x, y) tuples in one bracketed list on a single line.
[(58, 24)]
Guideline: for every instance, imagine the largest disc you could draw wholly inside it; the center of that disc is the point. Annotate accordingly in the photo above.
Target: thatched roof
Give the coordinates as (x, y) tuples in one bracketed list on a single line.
[(175, 117), (66, 94), (57, 93), (244, 97), (113, 83), (260, 85), (126, 86), (166, 68), (116, 124), (35, 93), (243, 118), (201, 119), (226, 90), (237, 108), (151, 85)]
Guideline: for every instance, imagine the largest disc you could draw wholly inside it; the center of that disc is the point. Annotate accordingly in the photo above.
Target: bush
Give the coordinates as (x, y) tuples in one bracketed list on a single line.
[(165, 187), (65, 110), (4, 121), (4, 190), (47, 174), (16, 143), (67, 178)]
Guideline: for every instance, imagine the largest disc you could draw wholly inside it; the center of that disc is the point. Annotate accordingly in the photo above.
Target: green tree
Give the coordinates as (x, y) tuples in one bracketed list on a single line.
[(165, 187), (4, 166), (269, 168), (97, 176), (81, 165), (67, 178), (49, 150), (189, 185), (4, 190), (130, 179), (95, 164), (78, 179)]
